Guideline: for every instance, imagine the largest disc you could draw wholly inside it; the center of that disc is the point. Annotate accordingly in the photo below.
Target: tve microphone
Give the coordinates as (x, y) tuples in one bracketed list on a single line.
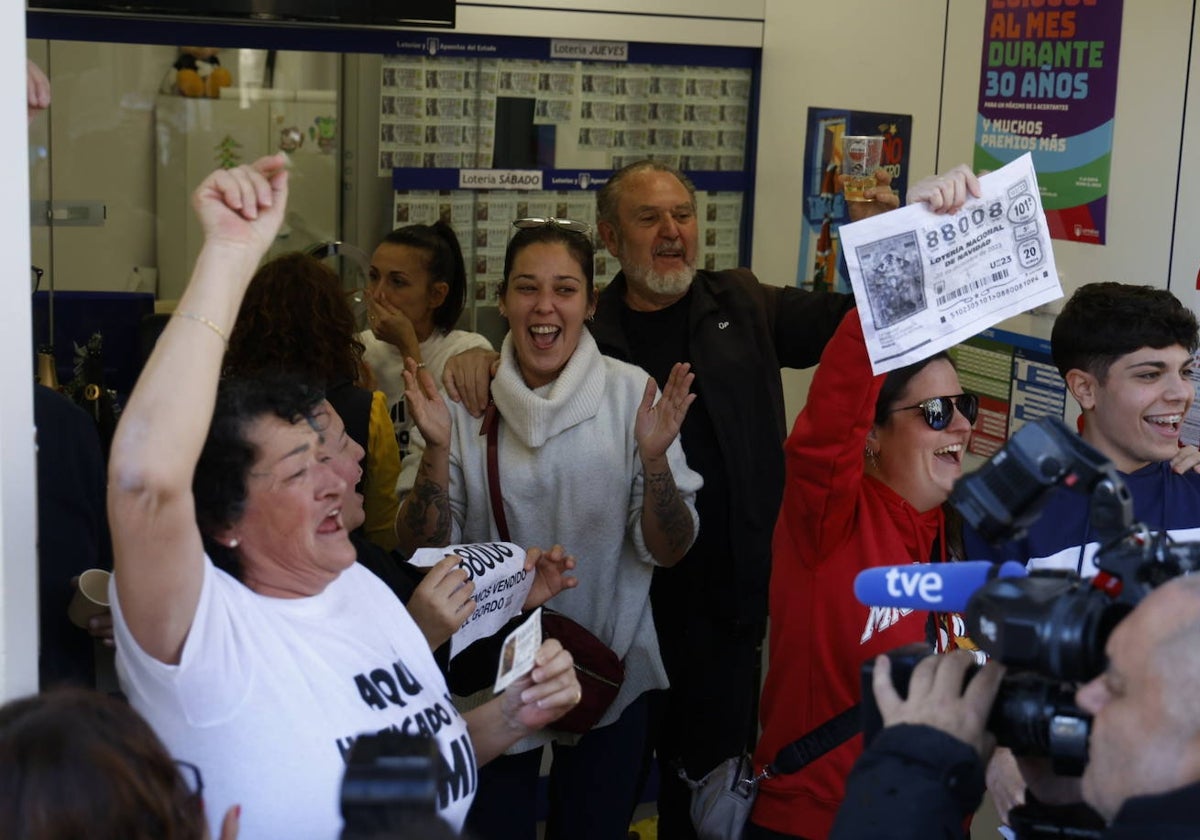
[(943, 587)]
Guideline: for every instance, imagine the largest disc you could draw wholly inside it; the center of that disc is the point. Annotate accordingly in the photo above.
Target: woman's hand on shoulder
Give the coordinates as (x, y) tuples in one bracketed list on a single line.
[(425, 402), (658, 424), (244, 206), (467, 378)]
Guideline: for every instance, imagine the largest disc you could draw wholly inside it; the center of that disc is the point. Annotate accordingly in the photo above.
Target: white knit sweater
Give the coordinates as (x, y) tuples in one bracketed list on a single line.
[(570, 474)]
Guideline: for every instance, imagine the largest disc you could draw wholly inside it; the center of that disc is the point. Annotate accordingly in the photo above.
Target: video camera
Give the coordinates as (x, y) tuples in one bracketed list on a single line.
[(390, 788), (1049, 627)]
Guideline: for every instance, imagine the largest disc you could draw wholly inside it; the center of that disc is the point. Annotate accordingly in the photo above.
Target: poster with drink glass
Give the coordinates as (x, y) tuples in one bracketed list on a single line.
[(831, 132)]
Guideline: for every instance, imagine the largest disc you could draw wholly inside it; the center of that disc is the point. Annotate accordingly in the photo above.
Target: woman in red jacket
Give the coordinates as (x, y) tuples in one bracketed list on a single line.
[(870, 462)]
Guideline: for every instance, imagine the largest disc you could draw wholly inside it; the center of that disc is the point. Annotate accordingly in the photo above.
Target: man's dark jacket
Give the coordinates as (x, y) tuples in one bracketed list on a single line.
[(918, 782), (741, 332)]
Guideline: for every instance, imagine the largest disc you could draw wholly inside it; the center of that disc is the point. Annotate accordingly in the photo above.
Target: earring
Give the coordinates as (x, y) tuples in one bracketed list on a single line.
[(872, 457), (233, 543)]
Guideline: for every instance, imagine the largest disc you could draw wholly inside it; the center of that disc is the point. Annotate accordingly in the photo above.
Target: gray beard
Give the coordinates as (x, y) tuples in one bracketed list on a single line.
[(674, 284)]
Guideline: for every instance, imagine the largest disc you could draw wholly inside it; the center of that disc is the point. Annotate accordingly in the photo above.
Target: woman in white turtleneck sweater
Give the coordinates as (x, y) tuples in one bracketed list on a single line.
[(588, 460)]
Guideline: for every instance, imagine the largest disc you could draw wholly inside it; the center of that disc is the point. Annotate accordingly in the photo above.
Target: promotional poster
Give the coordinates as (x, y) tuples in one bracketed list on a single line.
[(1049, 86)]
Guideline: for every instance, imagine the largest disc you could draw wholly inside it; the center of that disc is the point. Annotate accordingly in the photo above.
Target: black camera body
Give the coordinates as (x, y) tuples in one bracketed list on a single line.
[(390, 784), (1050, 628), (1056, 624), (1030, 716)]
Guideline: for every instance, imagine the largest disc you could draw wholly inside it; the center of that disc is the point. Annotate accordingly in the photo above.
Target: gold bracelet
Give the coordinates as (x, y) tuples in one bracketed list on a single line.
[(192, 316)]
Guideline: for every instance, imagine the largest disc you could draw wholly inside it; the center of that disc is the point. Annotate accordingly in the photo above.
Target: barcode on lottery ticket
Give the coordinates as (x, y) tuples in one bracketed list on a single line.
[(973, 286)]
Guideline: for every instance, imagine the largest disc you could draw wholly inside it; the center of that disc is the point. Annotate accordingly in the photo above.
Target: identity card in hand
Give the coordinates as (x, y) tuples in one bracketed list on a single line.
[(926, 281), (516, 656)]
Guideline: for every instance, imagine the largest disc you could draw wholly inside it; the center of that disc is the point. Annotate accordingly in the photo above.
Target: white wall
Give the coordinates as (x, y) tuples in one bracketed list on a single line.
[(807, 62), (1185, 262), (18, 566)]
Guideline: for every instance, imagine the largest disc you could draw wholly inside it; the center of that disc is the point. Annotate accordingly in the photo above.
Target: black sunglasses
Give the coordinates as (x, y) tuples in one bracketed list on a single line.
[(939, 411), (565, 224)]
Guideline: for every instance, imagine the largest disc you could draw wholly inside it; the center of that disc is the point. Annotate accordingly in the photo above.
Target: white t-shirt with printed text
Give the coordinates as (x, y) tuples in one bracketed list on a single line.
[(270, 693)]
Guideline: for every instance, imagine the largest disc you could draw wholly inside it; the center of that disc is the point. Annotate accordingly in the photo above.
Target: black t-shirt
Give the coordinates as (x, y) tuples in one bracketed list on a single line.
[(658, 340)]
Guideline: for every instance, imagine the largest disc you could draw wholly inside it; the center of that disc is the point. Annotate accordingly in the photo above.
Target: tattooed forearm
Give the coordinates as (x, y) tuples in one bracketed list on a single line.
[(424, 518), (666, 522)]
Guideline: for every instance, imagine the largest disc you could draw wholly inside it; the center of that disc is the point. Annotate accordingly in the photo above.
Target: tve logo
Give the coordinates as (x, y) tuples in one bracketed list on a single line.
[(925, 585)]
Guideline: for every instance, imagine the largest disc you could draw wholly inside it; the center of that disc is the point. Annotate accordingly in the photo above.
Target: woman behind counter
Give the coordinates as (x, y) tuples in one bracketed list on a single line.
[(263, 672), (587, 460)]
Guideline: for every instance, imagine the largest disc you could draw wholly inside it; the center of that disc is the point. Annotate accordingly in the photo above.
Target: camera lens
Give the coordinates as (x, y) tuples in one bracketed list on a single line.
[(1032, 716)]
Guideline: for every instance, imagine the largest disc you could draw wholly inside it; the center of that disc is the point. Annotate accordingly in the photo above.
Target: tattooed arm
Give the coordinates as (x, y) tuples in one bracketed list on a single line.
[(666, 521), (424, 516)]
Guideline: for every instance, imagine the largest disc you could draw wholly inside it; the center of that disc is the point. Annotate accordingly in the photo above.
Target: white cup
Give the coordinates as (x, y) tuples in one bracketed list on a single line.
[(91, 597)]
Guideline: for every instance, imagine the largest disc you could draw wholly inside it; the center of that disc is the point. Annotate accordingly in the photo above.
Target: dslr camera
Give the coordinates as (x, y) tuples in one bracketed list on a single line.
[(390, 787), (1049, 628)]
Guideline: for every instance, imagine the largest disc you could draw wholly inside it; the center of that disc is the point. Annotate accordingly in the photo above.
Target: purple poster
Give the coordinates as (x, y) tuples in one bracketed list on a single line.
[(1049, 86)]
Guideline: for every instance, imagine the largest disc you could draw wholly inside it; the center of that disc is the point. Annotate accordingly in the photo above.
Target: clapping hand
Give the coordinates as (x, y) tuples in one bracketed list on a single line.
[(936, 697), (551, 576), (428, 409), (658, 424)]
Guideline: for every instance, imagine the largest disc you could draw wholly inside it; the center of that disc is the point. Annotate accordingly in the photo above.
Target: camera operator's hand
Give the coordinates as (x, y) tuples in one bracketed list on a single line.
[(936, 697), (1045, 785), (1005, 783)]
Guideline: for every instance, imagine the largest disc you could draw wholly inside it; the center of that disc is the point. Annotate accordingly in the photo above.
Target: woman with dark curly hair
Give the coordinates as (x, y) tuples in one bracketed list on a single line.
[(265, 678), (295, 319), (76, 763), (416, 292)]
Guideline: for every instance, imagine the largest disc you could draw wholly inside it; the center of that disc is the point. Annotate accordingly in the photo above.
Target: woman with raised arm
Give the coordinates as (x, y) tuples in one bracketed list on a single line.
[(247, 636), (870, 462), (586, 458)]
